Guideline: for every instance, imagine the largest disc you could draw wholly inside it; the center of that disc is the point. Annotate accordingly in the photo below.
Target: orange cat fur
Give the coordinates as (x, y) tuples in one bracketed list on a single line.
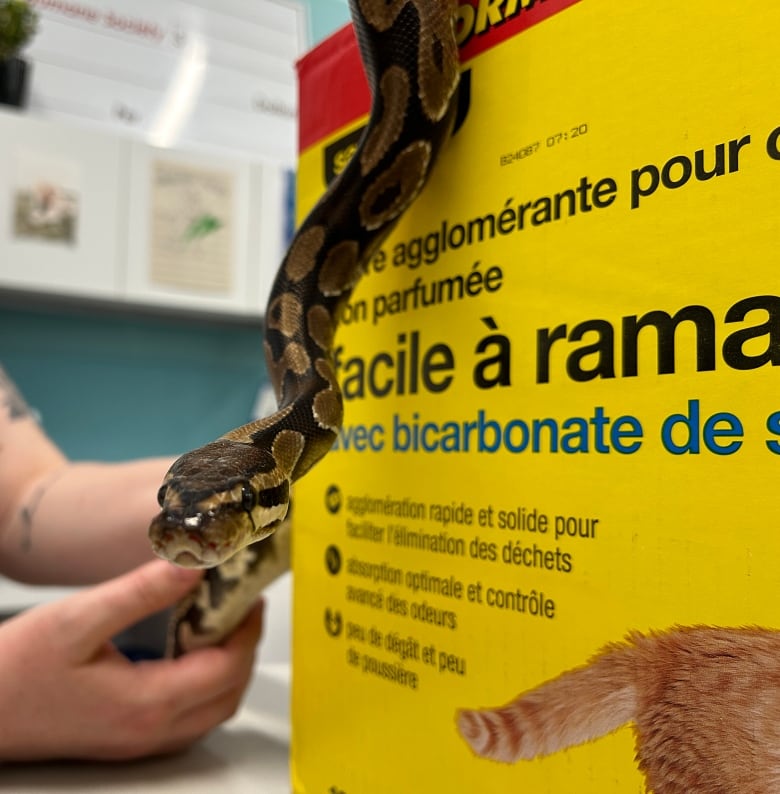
[(705, 703)]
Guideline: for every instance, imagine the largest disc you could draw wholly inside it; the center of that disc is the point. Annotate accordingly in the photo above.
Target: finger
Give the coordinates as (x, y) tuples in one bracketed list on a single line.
[(97, 614), (199, 721), (204, 674), (169, 735)]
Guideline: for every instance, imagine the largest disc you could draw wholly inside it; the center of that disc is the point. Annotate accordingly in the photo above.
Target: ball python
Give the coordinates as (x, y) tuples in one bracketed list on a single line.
[(220, 502), (224, 506)]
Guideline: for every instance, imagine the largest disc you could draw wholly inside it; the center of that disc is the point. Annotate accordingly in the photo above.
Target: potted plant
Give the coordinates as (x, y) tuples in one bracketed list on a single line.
[(18, 23)]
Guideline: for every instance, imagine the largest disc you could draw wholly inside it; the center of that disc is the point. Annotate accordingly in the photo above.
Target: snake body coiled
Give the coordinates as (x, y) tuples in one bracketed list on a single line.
[(219, 501)]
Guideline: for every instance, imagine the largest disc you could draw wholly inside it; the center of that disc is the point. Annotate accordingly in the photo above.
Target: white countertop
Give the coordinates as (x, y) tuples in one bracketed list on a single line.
[(250, 753)]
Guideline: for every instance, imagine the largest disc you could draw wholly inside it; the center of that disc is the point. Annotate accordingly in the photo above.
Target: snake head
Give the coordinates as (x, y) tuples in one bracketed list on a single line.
[(216, 500)]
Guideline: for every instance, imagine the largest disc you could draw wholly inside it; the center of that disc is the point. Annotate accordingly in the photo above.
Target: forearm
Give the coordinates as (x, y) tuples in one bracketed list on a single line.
[(79, 523)]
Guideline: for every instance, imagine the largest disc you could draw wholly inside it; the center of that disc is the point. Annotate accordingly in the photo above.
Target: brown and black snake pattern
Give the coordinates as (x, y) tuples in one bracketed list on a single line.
[(219, 500)]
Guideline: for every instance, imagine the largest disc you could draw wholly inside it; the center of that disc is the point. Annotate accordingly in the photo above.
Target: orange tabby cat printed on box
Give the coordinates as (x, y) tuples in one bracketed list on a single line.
[(705, 703)]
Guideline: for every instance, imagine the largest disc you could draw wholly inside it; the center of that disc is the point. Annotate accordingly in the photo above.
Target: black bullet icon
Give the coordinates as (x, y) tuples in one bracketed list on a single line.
[(333, 622), (333, 559), (333, 499)]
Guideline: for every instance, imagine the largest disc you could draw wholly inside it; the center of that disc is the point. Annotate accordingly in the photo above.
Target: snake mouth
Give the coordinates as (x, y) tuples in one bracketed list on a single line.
[(186, 559), (207, 538), (186, 554), (187, 547)]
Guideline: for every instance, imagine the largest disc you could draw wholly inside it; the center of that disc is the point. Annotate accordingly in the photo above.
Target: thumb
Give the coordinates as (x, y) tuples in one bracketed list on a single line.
[(97, 614)]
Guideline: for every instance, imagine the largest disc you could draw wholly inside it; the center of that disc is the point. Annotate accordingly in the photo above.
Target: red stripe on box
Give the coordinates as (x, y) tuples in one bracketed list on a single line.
[(326, 105), (501, 30)]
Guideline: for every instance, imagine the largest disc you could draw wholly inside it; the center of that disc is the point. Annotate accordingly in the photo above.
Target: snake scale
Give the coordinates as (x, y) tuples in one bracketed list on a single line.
[(221, 501)]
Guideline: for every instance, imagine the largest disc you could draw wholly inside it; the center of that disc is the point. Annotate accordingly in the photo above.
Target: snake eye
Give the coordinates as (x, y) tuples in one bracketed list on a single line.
[(248, 498), (161, 495)]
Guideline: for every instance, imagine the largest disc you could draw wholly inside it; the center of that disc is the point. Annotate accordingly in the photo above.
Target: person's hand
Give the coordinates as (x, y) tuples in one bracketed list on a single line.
[(66, 692)]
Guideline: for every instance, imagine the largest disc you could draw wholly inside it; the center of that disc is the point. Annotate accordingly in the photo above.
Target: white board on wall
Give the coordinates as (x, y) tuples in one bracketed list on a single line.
[(215, 74)]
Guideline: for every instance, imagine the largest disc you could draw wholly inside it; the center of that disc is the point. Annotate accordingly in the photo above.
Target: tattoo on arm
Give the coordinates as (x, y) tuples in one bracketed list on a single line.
[(26, 517), (10, 398), (27, 512)]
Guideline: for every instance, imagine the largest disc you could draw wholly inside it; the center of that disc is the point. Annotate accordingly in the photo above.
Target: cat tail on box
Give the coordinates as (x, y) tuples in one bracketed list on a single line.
[(581, 704)]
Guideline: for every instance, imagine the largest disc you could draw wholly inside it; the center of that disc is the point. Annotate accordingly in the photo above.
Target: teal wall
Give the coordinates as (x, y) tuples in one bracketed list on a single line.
[(325, 16), (111, 387), (115, 386)]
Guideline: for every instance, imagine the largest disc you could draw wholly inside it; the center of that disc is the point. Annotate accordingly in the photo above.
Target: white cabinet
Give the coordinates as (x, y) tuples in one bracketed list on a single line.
[(90, 214)]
